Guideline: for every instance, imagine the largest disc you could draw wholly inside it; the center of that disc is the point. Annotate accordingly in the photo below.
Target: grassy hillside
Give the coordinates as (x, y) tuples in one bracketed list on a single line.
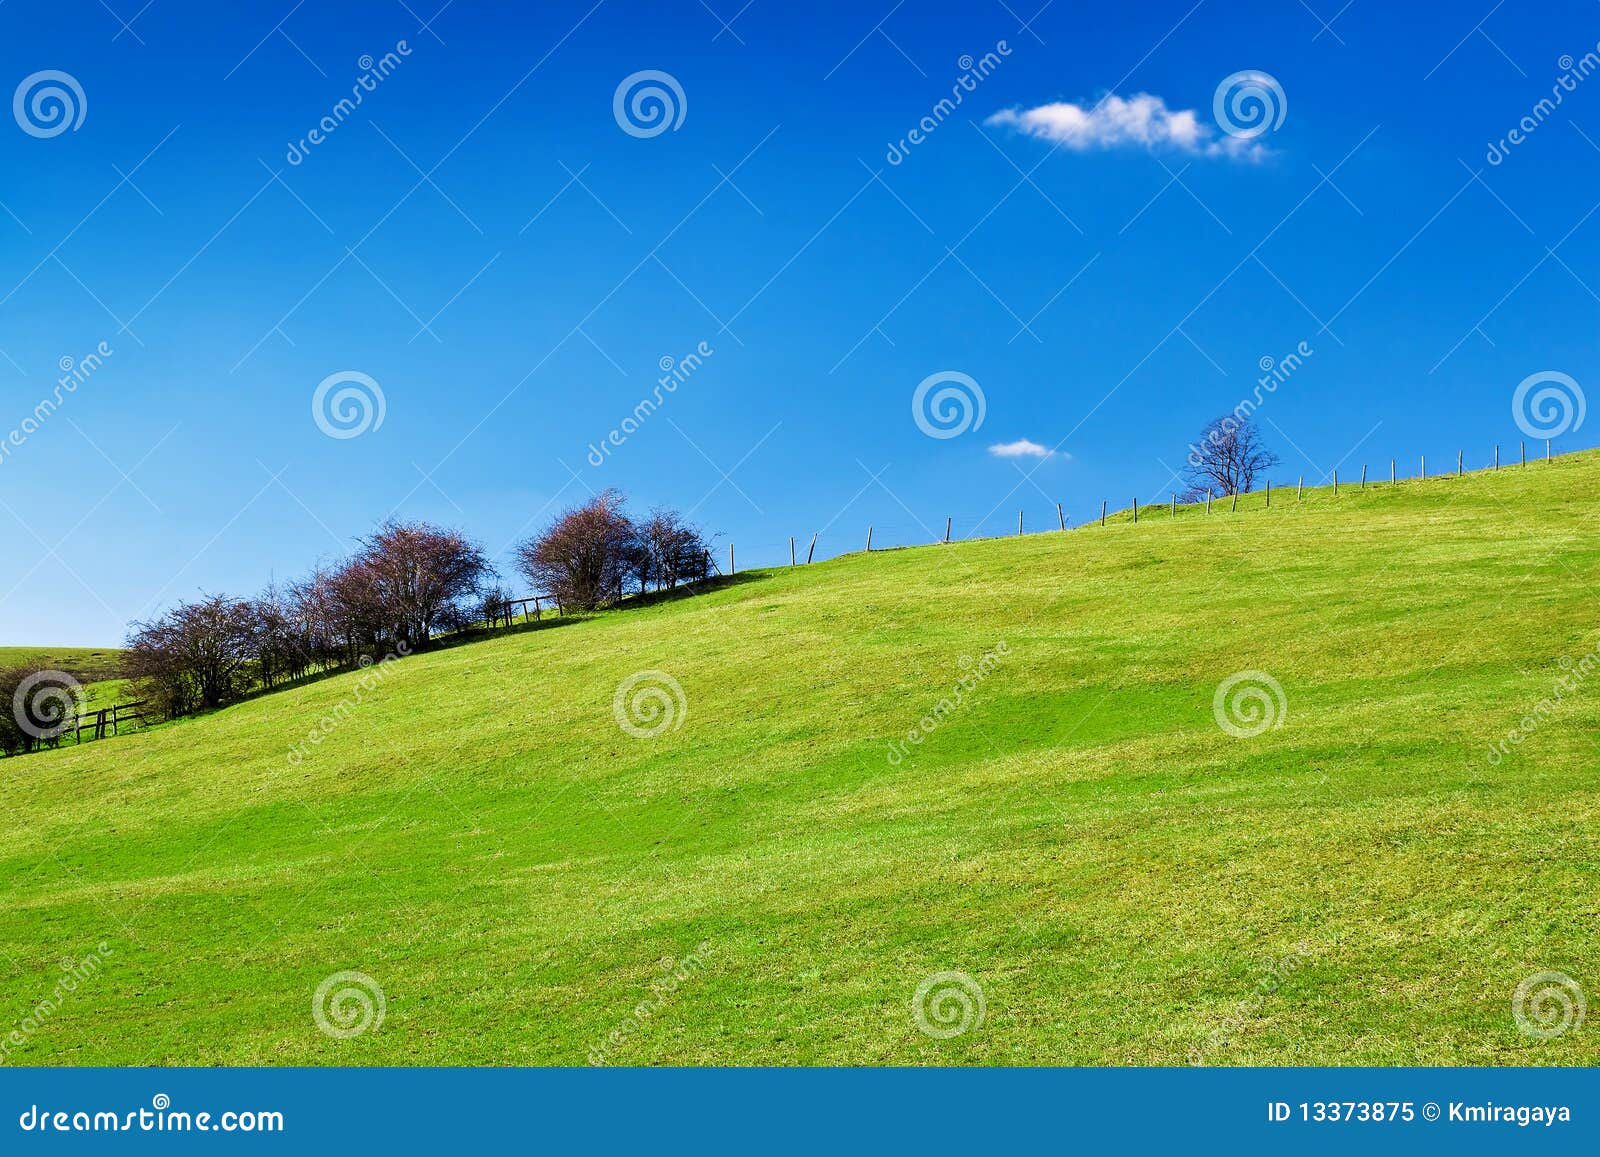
[(1125, 880), (87, 664), (97, 668)]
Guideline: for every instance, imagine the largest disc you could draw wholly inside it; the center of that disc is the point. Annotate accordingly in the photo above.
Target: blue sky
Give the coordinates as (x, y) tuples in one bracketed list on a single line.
[(483, 240)]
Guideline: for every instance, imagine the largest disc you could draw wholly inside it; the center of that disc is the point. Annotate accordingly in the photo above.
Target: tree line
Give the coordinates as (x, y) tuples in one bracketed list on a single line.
[(402, 588), (408, 583)]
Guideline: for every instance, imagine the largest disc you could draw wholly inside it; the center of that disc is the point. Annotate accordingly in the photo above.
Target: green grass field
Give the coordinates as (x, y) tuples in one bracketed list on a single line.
[(1124, 880), (98, 669)]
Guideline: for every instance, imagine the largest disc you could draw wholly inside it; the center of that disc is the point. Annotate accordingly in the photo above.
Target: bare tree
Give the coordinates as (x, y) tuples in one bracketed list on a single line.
[(672, 551), (324, 639), (1228, 458), (280, 647), (496, 607), (586, 556), (410, 579), (196, 656)]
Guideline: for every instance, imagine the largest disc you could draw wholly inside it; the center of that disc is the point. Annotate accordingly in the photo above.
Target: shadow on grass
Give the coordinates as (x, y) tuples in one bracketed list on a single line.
[(691, 590)]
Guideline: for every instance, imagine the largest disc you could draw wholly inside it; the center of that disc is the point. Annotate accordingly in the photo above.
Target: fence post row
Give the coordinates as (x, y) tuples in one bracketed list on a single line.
[(99, 720)]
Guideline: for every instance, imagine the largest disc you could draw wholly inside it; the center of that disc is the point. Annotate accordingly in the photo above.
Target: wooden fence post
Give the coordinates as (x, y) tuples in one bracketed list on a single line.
[(1391, 472), (1458, 463), (1363, 476), (1174, 504), (791, 550), (1019, 523), (1208, 501), (1269, 494), (1136, 510), (1102, 512), (731, 570), (947, 529), (1424, 473), (1300, 488), (811, 548), (1061, 518), (1497, 455), (1523, 447), (1336, 482), (869, 540), (1547, 449)]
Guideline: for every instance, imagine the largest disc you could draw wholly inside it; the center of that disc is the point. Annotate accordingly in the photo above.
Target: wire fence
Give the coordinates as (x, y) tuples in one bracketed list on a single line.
[(834, 541)]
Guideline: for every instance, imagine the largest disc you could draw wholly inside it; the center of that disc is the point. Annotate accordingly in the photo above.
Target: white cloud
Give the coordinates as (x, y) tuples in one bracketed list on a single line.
[(1021, 448), (1140, 121)]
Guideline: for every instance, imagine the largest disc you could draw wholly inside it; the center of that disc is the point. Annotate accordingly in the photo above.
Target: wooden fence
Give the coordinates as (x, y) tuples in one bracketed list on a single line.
[(505, 612), (106, 720)]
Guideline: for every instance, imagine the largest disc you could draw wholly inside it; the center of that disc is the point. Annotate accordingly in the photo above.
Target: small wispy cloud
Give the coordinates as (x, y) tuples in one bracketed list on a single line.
[(1139, 121), (1021, 448)]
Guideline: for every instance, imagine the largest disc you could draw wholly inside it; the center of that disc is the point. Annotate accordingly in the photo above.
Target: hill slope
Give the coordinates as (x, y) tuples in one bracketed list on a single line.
[(1124, 879), (87, 664)]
